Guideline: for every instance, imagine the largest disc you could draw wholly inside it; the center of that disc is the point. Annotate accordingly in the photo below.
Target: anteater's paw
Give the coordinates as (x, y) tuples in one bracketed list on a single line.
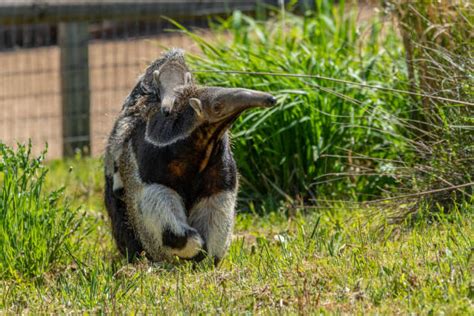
[(200, 256), (193, 247), (186, 247)]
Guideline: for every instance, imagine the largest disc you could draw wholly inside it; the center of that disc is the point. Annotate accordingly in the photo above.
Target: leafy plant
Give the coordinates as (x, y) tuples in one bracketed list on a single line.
[(37, 229), (324, 138)]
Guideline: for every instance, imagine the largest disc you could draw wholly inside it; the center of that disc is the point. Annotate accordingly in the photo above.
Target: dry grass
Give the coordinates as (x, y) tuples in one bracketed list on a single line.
[(436, 37)]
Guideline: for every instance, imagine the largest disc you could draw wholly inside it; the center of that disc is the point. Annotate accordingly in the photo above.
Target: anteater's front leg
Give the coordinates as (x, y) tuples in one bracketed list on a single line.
[(213, 217), (164, 220), (123, 233)]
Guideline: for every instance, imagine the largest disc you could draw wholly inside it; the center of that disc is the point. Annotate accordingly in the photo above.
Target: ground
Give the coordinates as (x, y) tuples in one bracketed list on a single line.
[(332, 260)]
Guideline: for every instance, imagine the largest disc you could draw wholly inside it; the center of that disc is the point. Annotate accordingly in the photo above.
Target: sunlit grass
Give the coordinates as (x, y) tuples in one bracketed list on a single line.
[(318, 125), (332, 260), (36, 226)]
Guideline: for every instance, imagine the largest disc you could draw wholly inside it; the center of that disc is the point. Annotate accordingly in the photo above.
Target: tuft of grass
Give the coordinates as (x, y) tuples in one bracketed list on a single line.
[(330, 141), (323, 138), (36, 227), (436, 36)]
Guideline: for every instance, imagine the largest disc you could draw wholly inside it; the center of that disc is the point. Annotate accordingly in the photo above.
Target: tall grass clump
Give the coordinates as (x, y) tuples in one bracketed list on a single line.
[(37, 228), (437, 37), (318, 140)]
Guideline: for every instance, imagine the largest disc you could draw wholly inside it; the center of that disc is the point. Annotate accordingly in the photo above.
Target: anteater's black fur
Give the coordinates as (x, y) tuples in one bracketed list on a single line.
[(179, 166), (127, 243)]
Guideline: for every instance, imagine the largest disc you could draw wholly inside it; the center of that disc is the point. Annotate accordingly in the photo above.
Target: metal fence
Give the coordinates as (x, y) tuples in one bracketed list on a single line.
[(67, 65)]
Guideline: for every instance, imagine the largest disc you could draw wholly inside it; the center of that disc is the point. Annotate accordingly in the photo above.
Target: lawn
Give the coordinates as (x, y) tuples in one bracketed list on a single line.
[(325, 260)]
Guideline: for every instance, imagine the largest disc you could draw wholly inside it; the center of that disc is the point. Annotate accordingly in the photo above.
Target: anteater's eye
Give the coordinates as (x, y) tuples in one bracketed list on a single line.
[(218, 107)]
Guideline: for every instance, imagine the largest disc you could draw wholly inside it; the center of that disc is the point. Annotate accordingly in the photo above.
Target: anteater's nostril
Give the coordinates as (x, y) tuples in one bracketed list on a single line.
[(271, 100)]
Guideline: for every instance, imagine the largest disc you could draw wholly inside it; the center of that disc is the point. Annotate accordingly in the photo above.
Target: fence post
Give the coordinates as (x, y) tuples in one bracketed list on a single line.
[(73, 42)]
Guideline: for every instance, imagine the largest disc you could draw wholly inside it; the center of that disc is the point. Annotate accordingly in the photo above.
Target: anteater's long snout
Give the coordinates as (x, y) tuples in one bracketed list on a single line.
[(271, 100), (225, 102), (251, 98)]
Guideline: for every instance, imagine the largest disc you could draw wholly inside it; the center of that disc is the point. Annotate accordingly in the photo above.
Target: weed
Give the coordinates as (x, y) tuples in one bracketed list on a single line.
[(36, 228)]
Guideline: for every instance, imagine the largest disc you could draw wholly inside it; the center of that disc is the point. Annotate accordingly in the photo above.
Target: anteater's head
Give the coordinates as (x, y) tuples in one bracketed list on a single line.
[(216, 105), (210, 110)]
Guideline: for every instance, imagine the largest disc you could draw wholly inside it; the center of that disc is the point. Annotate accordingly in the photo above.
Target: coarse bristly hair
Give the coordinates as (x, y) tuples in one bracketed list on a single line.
[(169, 157)]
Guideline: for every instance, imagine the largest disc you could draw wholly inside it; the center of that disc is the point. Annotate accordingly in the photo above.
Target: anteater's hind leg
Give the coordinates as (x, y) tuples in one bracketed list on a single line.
[(124, 236), (164, 219), (213, 217)]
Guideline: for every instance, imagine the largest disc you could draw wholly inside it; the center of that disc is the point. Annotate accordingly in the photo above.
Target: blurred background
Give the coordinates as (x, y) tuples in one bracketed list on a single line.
[(67, 65)]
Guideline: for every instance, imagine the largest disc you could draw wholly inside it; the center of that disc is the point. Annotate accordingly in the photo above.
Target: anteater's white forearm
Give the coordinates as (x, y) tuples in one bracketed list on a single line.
[(213, 217), (164, 218), (158, 213)]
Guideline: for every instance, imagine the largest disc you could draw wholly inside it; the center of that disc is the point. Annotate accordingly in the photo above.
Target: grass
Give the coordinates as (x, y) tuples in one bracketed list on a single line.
[(330, 261), (323, 141), (331, 141), (324, 138), (435, 35), (36, 228)]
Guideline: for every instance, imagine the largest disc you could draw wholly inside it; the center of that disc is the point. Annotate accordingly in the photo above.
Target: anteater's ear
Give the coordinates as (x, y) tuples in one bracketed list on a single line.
[(187, 78), (197, 106), (156, 78)]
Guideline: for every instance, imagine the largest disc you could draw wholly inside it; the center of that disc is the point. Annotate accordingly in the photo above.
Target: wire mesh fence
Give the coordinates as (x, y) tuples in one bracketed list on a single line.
[(67, 65)]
